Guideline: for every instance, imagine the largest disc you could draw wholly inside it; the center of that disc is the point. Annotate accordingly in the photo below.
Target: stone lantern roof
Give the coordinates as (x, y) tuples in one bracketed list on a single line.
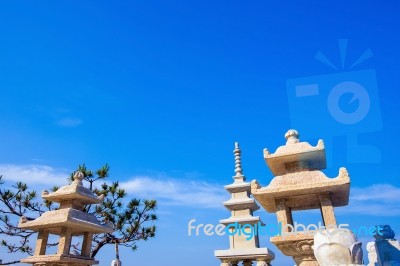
[(73, 192), (72, 199), (295, 155)]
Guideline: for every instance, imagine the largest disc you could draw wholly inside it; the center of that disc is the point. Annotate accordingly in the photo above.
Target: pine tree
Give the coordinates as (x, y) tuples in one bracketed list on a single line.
[(133, 219)]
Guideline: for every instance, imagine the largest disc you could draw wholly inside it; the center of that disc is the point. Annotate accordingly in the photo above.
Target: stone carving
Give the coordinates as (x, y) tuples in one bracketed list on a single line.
[(293, 248), (300, 247), (337, 247)]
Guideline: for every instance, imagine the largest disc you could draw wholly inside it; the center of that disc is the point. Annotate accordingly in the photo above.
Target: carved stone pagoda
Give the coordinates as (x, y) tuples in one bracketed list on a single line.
[(242, 247), (299, 184), (68, 221)]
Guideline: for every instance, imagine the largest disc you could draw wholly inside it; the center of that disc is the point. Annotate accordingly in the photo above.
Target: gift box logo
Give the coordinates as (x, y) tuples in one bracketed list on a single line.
[(337, 104)]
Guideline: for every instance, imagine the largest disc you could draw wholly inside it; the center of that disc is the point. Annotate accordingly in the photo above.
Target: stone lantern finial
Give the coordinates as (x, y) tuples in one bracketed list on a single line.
[(292, 136), (238, 160), (78, 177)]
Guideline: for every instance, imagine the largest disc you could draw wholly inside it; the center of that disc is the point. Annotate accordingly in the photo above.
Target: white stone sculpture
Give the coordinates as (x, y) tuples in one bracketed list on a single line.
[(372, 257), (337, 247)]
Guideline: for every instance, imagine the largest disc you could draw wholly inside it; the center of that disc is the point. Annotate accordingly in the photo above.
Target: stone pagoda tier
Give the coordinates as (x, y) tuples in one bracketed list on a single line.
[(298, 184), (242, 207), (68, 221)]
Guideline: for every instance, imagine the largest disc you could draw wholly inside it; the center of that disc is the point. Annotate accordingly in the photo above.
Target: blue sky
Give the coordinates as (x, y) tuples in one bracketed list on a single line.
[(161, 90)]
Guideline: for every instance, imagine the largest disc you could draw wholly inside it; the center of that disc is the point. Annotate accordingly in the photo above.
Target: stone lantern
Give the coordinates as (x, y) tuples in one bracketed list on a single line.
[(68, 221), (299, 184)]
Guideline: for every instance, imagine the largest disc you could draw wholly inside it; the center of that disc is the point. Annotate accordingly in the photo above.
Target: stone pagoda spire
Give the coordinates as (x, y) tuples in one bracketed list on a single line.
[(238, 177), (241, 205), (299, 184), (68, 221)]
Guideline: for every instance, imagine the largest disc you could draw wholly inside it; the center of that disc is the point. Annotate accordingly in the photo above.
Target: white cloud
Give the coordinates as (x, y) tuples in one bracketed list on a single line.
[(69, 122), (177, 192), (33, 174), (169, 191), (380, 192), (375, 200)]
